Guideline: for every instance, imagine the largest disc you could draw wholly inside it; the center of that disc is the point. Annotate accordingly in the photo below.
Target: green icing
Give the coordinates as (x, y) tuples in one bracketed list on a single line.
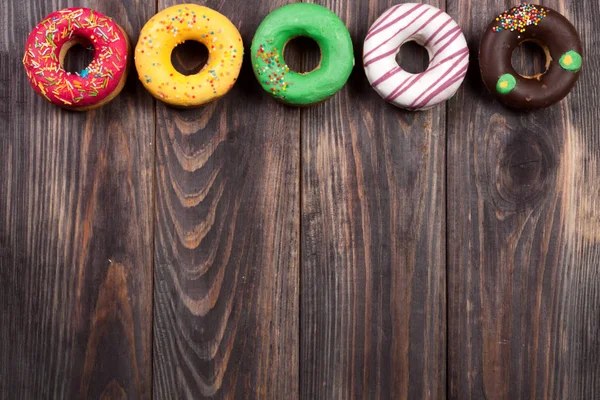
[(317, 23), (506, 84), (571, 61)]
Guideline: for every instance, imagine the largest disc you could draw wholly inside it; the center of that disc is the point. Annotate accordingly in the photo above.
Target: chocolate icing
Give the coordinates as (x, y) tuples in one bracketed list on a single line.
[(556, 35)]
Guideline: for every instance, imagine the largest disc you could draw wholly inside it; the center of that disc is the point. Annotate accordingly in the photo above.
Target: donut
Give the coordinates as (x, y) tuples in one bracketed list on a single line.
[(50, 41), (549, 30), (308, 20), (429, 27), (173, 26)]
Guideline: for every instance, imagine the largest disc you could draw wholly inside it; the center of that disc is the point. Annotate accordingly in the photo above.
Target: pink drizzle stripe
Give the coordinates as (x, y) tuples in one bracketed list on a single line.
[(411, 35), (459, 76), (386, 76), (456, 77), (442, 36), (385, 16), (403, 88), (373, 32), (394, 35), (407, 84), (460, 52), (433, 85), (453, 79), (440, 51), (451, 31), (379, 57), (436, 32), (437, 14)]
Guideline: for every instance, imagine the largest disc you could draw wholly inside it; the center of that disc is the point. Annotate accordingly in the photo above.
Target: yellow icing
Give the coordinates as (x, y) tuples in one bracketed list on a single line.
[(568, 60), (173, 26)]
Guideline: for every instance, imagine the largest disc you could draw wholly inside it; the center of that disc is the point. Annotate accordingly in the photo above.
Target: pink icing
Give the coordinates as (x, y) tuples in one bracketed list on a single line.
[(93, 84)]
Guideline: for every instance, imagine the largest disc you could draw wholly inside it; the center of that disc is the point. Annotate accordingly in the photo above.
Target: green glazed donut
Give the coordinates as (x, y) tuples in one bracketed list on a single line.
[(312, 21)]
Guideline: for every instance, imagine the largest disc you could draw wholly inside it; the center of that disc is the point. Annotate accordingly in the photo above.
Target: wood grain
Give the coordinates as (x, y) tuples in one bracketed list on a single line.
[(227, 220), (524, 234), (75, 230), (373, 305), (345, 251)]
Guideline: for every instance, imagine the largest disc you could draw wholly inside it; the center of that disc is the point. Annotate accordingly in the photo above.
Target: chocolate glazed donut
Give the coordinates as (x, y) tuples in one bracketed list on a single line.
[(553, 33)]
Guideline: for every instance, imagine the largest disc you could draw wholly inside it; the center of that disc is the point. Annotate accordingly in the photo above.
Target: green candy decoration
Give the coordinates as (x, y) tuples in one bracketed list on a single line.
[(506, 84), (307, 20), (571, 61)]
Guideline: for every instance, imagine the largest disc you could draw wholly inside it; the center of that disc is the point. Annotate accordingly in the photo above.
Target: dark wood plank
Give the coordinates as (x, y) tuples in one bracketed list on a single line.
[(524, 233), (227, 221), (373, 305), (75, 230)]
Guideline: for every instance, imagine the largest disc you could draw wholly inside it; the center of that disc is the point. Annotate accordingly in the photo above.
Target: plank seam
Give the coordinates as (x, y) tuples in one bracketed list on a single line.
[(446, 258), (154, 201), (300, 238)]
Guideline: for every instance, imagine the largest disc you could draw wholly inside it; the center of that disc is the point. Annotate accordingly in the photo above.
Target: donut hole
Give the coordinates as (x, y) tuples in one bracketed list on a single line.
[(531, 59), (76, 55), (302, 54), (413, 58), (189, 57)]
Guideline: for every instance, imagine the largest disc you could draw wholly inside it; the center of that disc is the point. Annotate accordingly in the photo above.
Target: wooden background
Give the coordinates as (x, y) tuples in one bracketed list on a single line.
[(252, 250)]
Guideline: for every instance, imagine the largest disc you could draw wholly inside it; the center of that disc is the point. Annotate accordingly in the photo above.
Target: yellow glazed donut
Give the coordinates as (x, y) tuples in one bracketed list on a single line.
[(173, 26)]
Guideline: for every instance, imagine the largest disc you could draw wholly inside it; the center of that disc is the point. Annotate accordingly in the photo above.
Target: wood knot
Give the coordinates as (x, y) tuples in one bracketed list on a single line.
[(522, 166), (231, 137)]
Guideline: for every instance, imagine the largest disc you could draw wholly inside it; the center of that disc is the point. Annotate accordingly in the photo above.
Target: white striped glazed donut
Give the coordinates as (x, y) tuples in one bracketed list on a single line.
[(431, 28)]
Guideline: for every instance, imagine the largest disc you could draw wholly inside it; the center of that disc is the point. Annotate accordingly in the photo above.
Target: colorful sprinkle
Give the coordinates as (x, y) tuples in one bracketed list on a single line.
[(45, 42), (275, 69), (181, 24), (519, 18)]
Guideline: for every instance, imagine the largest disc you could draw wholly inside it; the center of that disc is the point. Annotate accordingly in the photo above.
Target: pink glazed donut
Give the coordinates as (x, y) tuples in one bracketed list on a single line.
[(48, 44), (431, 28)]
